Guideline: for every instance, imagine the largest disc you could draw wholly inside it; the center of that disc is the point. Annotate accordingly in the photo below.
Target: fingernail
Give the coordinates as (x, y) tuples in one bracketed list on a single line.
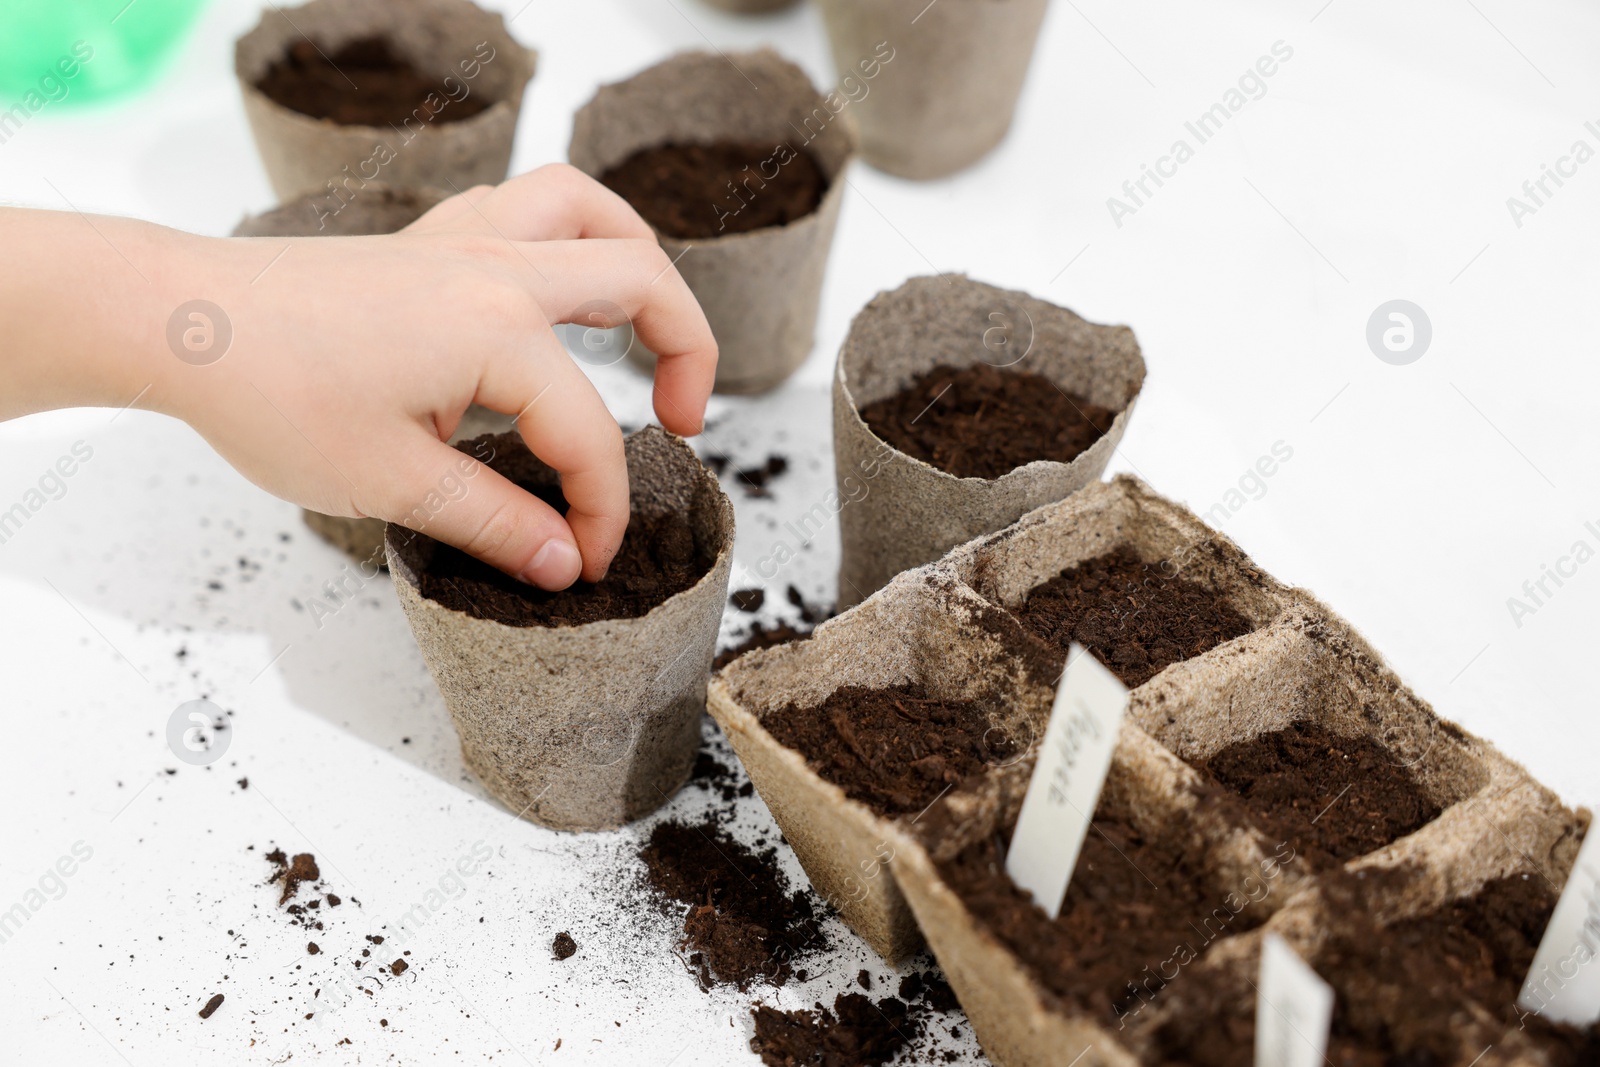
[(555, 566)]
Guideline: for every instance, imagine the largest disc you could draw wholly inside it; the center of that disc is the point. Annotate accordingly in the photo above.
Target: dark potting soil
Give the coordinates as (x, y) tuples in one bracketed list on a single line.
[(659, 558), (290, 874), (895, 750), (856, 1032), (761, 635), (693, 191), (1136, 906), (302, 895), (1334, 798), (744, 923), (754, 479), (1136, 620), (747, 600), (716, 777), (362, 83), (983, 421), (1401, 987), (810, 614), (563, 946)]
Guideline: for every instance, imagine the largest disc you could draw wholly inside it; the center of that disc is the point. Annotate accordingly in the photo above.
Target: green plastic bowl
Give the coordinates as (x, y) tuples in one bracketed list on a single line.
[(112, 46)]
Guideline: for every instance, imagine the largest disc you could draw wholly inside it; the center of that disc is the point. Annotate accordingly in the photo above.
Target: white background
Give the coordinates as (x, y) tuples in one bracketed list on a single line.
[(1418, 499)]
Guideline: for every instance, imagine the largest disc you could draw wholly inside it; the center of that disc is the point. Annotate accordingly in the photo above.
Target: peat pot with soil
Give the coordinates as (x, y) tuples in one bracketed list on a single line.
[(933, 86), (742, 186), (376, 208), (957, 408), (341, 93), (1272, 775), (579, 710)]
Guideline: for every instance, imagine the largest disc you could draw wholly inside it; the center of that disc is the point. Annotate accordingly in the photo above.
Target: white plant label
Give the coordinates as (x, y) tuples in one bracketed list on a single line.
[(1294, 1007), (1563, 984), (1065, 787)]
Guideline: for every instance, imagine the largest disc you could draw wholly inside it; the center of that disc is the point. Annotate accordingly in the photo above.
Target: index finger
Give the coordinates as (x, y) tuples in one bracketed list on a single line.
[(556, 202), (638, 277)]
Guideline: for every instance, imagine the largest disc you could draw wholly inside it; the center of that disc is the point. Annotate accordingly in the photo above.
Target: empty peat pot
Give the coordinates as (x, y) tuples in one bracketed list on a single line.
[(373, 209), (933, 85), (706, 146), (580, 710), (899, 511), (408, 92)]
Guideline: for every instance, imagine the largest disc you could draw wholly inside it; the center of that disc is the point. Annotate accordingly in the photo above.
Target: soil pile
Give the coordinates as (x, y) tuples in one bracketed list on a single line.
[(857, 1032), (743, 924)]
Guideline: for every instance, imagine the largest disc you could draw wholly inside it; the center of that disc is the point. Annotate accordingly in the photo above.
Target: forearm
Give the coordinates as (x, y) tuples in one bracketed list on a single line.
[(330, 370), (84, 304)]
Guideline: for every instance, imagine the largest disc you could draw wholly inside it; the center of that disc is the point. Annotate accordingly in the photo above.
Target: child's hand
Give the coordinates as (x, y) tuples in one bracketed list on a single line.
[(352, 359)]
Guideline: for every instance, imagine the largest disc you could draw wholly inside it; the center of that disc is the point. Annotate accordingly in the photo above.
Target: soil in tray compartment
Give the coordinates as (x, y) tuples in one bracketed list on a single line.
[(659, 558), (894, 749), (361, 83), (1401, 987), (696, 191), (982, 421), (1137, 906), (1402, 990), (1135, 619), (1334, 798)]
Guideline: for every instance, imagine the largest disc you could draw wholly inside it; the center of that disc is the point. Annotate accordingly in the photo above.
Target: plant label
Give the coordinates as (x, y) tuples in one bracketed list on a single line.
[(1073, 760), (1293, 1009), (1564, 982)]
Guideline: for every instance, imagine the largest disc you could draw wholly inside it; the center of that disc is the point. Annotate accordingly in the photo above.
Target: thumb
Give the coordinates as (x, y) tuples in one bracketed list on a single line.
[(458, 499)]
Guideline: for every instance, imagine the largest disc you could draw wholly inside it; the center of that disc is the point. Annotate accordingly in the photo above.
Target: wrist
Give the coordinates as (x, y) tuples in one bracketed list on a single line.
[(181, 350), (87, 301)]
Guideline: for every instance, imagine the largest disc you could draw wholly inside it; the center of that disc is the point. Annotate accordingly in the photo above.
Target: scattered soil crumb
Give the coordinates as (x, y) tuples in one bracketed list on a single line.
[(760, 636), (754, 480), (748, 600), (292, 873)]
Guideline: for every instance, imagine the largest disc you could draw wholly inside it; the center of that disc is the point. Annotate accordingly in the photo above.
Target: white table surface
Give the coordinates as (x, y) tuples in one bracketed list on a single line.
[(1418, 499)]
